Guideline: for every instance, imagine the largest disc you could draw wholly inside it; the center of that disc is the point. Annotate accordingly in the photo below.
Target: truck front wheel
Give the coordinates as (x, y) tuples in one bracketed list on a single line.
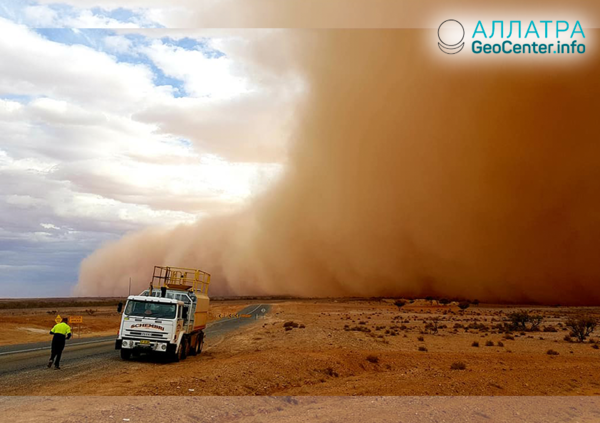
[(125, 354), (178, 356), (185, 348)]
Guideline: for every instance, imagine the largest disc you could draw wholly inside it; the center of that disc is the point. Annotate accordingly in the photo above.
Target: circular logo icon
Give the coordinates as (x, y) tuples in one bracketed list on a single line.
[(451, 34)]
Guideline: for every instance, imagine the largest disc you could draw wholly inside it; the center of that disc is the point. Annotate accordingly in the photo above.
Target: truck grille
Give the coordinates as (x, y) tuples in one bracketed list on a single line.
[(147, 334)]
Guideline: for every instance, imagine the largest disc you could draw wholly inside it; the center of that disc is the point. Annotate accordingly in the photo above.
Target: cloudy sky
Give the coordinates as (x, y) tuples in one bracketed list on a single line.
[(110, 123)]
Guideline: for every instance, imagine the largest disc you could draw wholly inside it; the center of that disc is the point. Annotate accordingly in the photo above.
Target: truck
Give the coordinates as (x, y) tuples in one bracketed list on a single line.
[(168, 318)]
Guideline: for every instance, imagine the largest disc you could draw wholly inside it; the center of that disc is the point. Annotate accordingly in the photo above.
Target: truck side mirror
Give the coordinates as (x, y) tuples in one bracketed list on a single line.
[(185, 313), (120, 308)]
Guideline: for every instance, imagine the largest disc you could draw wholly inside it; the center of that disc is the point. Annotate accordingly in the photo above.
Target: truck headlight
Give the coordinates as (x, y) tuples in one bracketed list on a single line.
[(125, 343), (163, 347)]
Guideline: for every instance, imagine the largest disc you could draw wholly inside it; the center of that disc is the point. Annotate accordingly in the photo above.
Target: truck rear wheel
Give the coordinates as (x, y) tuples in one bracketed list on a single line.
[(200, 343), (125, 354), (194, 345)]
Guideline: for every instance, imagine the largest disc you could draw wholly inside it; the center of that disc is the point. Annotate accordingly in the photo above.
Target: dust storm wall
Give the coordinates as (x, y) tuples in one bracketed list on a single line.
[(406, 178)]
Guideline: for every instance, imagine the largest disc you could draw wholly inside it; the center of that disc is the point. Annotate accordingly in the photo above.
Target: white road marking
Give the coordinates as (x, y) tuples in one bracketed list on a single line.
[(260, 305), (47, 348), (233, 318), (108, 340)]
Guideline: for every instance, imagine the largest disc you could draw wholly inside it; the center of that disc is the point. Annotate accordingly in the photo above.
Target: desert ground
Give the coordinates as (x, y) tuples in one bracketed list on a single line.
[(282, 409), (345, 347), (100, 318)]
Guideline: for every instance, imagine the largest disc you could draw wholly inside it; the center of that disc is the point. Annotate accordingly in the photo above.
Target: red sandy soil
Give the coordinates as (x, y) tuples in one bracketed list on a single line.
[(327, 357), (301, 409)]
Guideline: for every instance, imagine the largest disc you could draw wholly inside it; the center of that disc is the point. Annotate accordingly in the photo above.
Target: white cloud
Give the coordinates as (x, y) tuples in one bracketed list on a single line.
[(202, 76), (253, 125), (80, 16), (32, 65), (61, 112), (23, 200), (41, 16), (88, 19), (9, 109), (117, 44), (92, 147), (115, 4), (171, 13)]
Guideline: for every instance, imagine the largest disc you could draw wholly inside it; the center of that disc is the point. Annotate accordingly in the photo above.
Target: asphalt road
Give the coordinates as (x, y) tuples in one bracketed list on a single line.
[(80, 355)]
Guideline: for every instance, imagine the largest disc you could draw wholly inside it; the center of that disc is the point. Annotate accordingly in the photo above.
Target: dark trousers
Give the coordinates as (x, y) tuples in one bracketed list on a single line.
[(58, 345)]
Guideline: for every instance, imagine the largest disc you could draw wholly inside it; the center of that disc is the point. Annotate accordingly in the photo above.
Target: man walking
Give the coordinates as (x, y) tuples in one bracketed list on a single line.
[(61, 332)]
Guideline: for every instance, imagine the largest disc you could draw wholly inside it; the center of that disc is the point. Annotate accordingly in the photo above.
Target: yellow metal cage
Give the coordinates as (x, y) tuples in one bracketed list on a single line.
[(181, 278)]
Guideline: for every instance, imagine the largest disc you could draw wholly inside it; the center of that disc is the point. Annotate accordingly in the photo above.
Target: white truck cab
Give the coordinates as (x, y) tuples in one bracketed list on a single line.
[(169, 320)]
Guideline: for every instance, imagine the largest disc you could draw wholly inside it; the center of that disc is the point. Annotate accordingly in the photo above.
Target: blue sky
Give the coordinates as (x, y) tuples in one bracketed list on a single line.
[(65, 14), (94, 38), (111, 130)]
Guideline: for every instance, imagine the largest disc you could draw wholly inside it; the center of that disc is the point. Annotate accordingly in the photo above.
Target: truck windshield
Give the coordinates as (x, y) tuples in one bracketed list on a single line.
[(148, 309)]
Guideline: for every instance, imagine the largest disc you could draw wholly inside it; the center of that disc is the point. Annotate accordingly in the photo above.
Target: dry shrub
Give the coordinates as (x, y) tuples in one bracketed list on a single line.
[(290, 324), (372, 359), (331, 372), (463, 305), (520, 319), (581, 326), (458, 365), (399, 303)]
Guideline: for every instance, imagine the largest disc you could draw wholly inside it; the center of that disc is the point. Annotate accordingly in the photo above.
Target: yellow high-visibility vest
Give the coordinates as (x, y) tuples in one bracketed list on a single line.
[(61, 328)]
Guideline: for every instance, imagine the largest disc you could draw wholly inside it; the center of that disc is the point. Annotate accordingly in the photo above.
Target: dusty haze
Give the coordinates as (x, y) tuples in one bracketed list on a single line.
[(407, 178)]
